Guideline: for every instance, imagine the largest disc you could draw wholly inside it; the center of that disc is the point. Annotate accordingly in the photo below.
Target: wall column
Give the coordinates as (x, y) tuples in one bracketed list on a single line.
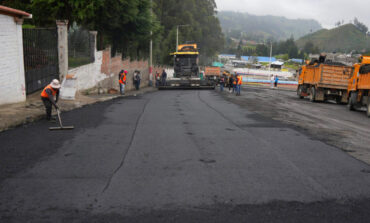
[(62, 26), (93, 42)]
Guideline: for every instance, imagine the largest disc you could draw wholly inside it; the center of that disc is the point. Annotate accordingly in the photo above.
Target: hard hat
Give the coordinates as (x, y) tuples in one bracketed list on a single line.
[(55, 84)]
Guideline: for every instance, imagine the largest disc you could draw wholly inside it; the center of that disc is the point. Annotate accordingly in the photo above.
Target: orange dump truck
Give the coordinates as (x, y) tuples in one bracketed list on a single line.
[(324, 81), (359, 86), (212, 73)]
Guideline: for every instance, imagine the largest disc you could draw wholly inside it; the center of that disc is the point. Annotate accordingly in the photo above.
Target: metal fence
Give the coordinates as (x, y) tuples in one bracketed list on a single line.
[(80, 47), (40, 47)]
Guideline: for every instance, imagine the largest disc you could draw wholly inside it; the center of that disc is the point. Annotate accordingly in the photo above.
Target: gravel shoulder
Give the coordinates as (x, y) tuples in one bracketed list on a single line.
[(327, 122)]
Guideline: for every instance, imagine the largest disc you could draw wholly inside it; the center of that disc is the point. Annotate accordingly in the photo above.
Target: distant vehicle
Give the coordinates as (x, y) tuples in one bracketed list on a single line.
[(359, 86), (186, 70), (324, 80)]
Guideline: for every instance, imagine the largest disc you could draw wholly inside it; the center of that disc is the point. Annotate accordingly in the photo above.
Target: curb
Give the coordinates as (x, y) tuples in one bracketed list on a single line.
[(40, 116)]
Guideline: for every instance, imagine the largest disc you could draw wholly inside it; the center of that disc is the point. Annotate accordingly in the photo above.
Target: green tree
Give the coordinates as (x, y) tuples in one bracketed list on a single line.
[(203, 27)]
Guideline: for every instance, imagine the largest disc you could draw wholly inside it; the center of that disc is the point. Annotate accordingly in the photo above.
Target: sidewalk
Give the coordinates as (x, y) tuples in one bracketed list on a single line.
[(13, 115)]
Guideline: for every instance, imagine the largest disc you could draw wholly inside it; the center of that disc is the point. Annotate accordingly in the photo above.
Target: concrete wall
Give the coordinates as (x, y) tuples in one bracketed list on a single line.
[(12, 80), (103, 73), (88, 76)]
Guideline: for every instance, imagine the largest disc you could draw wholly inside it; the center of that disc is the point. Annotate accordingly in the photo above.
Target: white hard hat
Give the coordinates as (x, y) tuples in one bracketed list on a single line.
[(55, 84)]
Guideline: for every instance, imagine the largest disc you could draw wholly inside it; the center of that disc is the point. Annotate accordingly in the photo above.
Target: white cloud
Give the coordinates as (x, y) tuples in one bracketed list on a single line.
[(326, 12)]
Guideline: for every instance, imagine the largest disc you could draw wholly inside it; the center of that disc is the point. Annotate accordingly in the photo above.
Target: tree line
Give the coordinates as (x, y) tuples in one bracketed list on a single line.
[(128, 25), (287, 49)]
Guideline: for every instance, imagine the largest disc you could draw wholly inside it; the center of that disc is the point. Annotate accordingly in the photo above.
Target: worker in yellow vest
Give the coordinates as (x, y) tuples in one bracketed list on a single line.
[(239, 81), (50, 96)]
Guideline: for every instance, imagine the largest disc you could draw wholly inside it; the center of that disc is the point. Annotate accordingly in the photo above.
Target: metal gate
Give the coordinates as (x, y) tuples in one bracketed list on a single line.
[(40, 47)]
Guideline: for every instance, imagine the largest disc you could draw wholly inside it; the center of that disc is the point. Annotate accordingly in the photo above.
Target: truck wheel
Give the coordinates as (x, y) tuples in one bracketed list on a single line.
[(352, 101), (299, 92), (313, 94), (368, 108)]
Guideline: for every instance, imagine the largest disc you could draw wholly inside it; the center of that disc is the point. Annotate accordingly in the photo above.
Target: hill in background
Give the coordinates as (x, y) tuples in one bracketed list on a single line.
[(260, 28), (341, 39)]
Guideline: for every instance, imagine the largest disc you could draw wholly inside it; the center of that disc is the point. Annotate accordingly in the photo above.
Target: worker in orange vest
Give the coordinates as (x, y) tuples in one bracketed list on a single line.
[(234, 82), (50, 96), (122, 81), (239, 81)]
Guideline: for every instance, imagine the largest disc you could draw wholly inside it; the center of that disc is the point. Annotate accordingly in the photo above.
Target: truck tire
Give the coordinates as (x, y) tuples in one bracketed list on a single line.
[(352, 101), (299, 92), (368, 107), (313, 94)]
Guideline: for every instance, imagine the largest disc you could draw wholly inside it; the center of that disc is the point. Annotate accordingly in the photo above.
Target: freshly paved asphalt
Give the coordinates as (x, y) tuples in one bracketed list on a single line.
[(176, 156)]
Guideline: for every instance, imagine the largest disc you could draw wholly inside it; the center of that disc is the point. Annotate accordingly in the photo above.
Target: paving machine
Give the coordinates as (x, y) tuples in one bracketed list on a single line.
[(186, 70)]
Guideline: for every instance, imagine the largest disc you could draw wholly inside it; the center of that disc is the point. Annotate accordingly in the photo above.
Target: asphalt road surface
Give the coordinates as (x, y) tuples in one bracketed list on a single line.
[(179, 156)]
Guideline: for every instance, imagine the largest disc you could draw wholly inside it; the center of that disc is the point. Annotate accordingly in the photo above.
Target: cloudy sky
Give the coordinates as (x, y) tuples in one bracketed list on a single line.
[(326, 12)]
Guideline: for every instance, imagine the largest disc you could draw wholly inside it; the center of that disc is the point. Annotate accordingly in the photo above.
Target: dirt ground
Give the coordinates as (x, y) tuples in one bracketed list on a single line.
[(329, 122)]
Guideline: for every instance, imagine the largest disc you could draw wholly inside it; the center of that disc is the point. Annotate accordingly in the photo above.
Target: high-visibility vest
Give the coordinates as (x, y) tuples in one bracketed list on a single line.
[(45, 95), (240, 80), (122, 80)]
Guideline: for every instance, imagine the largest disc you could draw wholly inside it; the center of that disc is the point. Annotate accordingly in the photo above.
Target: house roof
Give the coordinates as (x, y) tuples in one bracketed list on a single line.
[(260, 59), (14, 12), (277, 63)]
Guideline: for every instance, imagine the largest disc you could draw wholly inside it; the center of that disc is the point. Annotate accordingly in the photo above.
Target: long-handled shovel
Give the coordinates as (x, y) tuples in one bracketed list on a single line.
[(61, 127)]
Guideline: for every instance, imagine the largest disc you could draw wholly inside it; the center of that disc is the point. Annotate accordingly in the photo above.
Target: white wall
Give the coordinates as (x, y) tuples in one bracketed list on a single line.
[(12, 80), (88, 76)]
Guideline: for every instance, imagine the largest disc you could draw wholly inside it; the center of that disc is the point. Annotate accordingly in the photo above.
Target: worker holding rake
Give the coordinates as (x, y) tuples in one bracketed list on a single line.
[(50, 96)]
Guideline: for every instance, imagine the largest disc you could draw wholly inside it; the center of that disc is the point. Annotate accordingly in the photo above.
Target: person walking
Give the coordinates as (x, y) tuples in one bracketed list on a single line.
[(137, 79), (276, 81), (222, 83), (239, 81), (122, 81), (50, 96), (164, 77)]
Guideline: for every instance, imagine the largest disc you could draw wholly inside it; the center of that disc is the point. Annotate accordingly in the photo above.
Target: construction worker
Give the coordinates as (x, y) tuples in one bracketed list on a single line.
[(234, 82), (239, 80), (164, 77), (222, 82), (157, 79), (122, 81), (50, 96), (231, 80)]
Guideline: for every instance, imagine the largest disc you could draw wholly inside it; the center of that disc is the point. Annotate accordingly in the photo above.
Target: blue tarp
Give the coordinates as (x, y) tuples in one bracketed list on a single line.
[(297, 60), (260, 59)]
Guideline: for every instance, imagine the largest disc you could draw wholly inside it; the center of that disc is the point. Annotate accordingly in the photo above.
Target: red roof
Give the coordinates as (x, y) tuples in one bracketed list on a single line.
[(13, 12)]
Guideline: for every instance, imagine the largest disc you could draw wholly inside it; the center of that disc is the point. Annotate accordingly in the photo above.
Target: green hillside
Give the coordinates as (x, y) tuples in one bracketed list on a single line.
[(260, 28), (341, 39)]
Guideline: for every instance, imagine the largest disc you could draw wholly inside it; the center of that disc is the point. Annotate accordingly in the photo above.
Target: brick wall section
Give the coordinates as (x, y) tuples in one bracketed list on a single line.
[(106, 62), (12, 81), (113, 65)]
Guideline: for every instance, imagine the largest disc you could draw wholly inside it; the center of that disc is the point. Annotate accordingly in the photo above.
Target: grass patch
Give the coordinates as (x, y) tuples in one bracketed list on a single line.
[(79, 61)]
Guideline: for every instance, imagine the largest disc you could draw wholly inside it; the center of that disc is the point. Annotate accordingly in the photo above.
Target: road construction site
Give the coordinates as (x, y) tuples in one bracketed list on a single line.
[(190, 156)]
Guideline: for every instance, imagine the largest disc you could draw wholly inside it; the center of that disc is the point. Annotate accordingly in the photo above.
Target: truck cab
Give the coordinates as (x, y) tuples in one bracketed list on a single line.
[(359, 85)]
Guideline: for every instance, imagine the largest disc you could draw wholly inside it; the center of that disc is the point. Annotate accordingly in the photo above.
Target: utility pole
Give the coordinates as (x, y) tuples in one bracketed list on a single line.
[(177, 38), (177, 35), (151, 48), (270, 56)]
